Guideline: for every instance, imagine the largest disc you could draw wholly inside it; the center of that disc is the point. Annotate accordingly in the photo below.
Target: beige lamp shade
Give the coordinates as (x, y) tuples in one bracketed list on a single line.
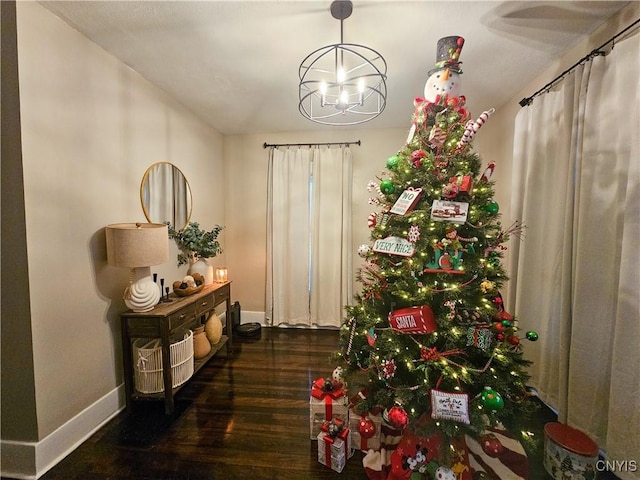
[(137, 244)]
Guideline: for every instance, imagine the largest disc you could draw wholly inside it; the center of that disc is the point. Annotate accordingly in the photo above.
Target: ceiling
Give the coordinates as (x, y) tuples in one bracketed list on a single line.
[(235, 63)]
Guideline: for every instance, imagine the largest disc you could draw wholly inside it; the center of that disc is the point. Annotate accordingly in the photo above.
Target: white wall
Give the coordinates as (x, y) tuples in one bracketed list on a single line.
[(90, 128), (246, 209)]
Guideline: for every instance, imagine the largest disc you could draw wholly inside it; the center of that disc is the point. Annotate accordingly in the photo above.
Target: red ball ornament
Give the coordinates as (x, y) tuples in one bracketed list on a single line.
[(397, 417), (513, 340), (366, 428), (491, 445), (416, 158), (499, 326), (417, 155)]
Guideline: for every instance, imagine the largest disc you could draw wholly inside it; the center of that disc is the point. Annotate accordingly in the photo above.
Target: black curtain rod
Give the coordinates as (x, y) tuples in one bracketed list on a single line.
[(594, 53), (346, 144)]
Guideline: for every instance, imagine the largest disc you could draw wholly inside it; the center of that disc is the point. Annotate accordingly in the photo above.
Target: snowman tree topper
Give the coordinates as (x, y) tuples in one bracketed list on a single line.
[(444, 78)]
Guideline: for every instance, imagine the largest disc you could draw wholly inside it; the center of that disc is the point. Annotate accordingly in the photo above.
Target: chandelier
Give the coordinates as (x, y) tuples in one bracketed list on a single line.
[(343, 83)]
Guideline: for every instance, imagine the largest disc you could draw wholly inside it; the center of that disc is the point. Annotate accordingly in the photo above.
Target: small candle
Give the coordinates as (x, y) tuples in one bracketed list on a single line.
[(221, 274)]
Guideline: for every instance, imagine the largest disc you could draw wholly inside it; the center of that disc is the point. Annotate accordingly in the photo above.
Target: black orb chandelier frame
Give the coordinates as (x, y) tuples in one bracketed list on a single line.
[(343, 83)]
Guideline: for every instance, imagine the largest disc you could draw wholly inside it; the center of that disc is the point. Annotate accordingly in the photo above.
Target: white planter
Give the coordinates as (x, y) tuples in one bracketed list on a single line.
[(204, 268)]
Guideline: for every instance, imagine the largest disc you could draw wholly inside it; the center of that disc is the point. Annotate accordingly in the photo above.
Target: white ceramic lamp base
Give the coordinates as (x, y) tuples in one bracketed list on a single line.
[(143, 293)]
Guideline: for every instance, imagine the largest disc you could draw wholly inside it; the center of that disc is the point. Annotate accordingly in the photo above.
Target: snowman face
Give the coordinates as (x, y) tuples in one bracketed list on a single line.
[(442, 82)]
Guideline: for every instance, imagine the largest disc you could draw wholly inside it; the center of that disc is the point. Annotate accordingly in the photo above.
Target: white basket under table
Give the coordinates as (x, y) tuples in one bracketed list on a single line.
[(147, 360)]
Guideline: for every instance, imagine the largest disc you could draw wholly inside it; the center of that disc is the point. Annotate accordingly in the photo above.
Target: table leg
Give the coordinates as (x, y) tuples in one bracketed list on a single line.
[(229, 319), (127, 362)]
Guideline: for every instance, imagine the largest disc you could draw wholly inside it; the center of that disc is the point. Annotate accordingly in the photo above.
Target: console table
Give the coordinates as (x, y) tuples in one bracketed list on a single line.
[(168, 322)]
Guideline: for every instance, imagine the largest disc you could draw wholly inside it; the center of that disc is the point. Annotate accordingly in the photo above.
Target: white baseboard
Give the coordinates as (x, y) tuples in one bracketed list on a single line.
[(31, 460)]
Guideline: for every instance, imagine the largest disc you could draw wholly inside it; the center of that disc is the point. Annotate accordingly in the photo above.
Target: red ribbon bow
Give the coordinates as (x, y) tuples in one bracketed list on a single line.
[(323, 389), (334, 427), (432, 354)]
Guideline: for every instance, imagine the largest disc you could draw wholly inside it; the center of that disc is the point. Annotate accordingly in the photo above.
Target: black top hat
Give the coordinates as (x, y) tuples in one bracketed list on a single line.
[(448, 55)]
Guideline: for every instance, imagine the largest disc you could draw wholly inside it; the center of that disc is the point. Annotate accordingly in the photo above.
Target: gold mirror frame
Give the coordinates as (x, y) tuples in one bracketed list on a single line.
[(165, 195)]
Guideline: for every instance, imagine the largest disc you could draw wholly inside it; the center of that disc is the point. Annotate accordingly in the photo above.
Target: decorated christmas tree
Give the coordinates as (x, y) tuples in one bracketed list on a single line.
[(429, 340)]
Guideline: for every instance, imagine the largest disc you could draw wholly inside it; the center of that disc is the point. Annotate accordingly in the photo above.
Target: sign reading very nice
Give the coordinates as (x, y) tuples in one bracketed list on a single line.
[(394, 246)]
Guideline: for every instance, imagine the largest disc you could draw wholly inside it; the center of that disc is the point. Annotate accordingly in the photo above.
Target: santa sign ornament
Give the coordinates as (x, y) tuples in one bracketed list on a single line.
[(415, 320)]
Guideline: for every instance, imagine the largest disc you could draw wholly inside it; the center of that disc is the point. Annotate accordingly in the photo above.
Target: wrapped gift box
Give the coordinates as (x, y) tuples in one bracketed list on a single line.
[(334, 445), (464, 183), (358, 442), (328, 401)]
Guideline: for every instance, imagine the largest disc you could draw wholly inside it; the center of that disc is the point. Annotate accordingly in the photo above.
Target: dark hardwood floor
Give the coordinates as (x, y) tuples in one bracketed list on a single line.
[(245, 415)]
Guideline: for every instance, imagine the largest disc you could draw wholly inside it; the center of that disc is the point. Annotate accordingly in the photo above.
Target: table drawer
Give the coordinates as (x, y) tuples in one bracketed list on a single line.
[(205, 304), (222, 294), (181, 317), (141, 327)]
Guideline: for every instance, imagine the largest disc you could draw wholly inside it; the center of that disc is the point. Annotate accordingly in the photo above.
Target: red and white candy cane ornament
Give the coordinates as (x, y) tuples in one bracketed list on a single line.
[(472, 127), (372, 220)]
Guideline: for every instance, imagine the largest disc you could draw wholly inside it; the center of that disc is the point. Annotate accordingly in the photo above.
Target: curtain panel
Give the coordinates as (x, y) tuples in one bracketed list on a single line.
[(576, 186), (309, 258)]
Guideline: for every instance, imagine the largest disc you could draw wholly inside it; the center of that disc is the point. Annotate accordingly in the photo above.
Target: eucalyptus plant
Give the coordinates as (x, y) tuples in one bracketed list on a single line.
[(195, 242)]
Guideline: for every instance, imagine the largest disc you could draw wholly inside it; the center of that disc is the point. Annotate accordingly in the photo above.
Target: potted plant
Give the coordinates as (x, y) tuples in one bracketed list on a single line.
[(196, 247)]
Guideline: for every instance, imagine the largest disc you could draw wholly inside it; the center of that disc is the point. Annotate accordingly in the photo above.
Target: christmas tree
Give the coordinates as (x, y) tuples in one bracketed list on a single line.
[(429, 340)]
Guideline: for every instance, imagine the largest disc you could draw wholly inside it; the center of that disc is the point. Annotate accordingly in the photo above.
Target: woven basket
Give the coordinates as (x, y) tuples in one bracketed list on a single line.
[(147, 358)]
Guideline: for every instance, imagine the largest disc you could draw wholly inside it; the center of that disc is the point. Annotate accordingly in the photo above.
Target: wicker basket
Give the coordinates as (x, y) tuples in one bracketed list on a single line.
[(147, 358)]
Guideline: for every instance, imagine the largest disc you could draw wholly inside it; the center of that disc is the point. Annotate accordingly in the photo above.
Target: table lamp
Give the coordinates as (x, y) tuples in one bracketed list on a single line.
[(138, 246)]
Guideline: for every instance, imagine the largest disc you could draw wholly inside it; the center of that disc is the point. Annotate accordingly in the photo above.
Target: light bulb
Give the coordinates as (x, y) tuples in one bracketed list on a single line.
[(344, 97)]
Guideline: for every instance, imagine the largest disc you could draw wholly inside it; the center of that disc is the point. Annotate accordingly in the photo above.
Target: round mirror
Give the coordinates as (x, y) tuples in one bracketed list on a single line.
[(165, 195)]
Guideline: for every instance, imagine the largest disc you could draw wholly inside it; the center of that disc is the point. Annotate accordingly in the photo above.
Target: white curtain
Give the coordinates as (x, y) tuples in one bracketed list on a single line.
[(309, 269), (332, 274), (576, 186)]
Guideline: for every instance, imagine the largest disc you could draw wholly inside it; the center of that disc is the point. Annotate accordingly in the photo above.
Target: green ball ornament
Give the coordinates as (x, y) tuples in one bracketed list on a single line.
[(506, 323), (392, 162), (492, 399), (387, 187), (492, 207), (532, 336)]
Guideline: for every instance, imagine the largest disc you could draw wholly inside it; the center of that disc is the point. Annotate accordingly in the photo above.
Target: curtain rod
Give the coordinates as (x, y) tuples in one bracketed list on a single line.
[(346, 144), (594, 53)]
